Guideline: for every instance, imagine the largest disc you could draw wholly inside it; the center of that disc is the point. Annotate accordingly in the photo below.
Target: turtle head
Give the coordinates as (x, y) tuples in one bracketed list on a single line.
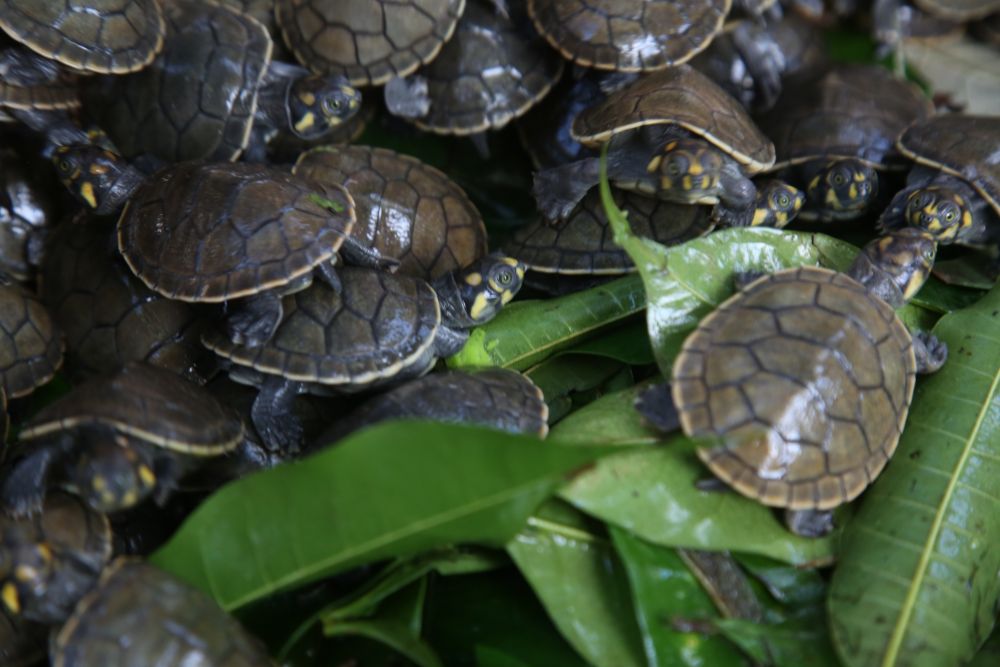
[(777, 204), (110, 474), (474, 295), (894, 267), (27, 569), (843, 188), (940, 211), (690, 170), (317, 104), (90, 173)]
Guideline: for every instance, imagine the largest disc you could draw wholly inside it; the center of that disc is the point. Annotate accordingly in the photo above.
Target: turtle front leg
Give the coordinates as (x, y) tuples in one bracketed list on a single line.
[(274, 418), (657, 407), (930, 352), (894, 216), (407, 97), (359, 254), (26, 482), (449, 341), (558, 190), (809, 523), (737, 198), (255, 320)]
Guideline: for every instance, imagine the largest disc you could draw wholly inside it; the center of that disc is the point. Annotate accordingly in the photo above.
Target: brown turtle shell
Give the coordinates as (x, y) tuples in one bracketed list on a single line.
[(959, 10), (960, 145), (367, 41), (31, 348), (406, 210), (583, 243), (800, 384), (101, 36), (852, 111), (684, 97), (213, 232), (629, 36), (380, 325), (148, 403)]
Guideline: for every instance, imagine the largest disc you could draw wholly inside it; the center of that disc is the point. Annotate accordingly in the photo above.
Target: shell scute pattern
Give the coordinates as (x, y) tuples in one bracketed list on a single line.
[(30, 347)]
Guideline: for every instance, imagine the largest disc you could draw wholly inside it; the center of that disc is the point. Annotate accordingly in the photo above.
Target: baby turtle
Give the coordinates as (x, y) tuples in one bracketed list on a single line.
[(245, 99), (834, 134), (406, 210), (381, 328), (116, 440), (800, 383), (31, 347), (673, 134)]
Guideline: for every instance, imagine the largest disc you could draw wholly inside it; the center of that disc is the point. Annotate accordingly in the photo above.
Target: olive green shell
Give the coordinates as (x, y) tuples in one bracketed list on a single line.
[(197, 100), (852, 111), (583, 243), (959, 10), (491, 72), (800, 384), (629, 36), (101, 36), (964, 146), (140, 615), (380, 326), (147, 403), (108, 316), (684, 97), (31, 347), (406, 210), (213, 232), (367, 41)]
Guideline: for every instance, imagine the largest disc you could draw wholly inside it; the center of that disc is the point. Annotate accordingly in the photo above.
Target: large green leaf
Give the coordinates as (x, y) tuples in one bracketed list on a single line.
[(393, 490), (917, 582)]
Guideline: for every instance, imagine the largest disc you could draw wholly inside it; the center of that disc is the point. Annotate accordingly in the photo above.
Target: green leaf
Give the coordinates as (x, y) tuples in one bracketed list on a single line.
[(564, 377), (788, 585), (651, 492), (610, 420), (917, 582), (580, 581), (989, 654), (393, 490), (665, 591), (391, 633), (320, 200), (628, 344), (792, 643)]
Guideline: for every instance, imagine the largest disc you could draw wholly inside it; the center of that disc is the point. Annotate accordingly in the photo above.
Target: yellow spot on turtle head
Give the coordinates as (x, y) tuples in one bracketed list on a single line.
[(814, 183), (25, 573), (859, 177), (479, 305), (695, 169), (44, 552), (852, 192), (87, 192), (354, 104), (97, 169), (108, 499), (707, 182), (966, 219), (147, 477), (10, 598), (669, 147), (914, 284), (474, 279), (780, 219), (506, 296), (931, 209), (307, 98), (349, 91), (687, 183), (759, 217), (884, 243), (510, 261), (99, 483), (519, 270), (831, 199), (306, 122), (130, 498), (654, 164)]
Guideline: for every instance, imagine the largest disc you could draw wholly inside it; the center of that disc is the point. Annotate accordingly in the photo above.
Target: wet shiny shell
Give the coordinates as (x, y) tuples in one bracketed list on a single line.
[(853, 111), (964, 146), (198, 98), (801, 384), (108, 316), (35, 86), (140, 615), (103, 36), (584, 243), (31, 348), (368, 41), (959, 10), (627, 35), (149, 404), (27, 205), (679, 96), (381, 325), (214, 232), (406, 209), (490, 73)]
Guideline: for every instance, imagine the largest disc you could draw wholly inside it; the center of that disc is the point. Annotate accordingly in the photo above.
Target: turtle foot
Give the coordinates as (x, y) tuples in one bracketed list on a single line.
[(809, 523), (657, 407), (22, 492), (930, 352), (255, 321), (274, 419), (744, 278), (407, 97), (558, 190)]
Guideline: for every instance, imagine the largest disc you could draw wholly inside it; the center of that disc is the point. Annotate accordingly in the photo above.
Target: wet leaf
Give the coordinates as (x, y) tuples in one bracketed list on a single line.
[(798, 641), (564, 377), (610, 420), (628, 344), (916, 584), (788, 585), (989, 654)]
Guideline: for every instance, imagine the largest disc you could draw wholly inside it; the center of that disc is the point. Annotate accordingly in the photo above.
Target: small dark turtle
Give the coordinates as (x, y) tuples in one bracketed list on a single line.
[(673, 134), (495, 398), (492, 71), (31, 347), (406, 210), (834, 134), (381, 328), (26, 212), (216, 232), (801, 382), (367, 41), (109, 317), (629, 36), (214, 93), (116, 440)]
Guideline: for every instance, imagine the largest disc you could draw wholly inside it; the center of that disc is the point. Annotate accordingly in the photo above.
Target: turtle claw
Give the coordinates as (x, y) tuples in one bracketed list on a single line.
[(809, 523), (930, 352), (274, 419), (559, 190), (256, 320)]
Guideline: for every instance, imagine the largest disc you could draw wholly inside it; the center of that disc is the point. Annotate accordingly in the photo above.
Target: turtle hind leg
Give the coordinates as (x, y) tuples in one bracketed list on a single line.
[(255, 320), (559, 189), (274, 418), (930, 352), (809, 523), (657, 407), (407, 97)]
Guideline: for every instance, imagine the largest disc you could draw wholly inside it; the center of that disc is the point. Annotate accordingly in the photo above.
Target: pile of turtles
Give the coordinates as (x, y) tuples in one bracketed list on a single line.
[(227, 281)]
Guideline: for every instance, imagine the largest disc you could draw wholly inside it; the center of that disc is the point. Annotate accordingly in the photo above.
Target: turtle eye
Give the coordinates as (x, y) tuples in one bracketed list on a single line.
[(504, 277), (839, 178), (783, 200), (950, 214), (673, 168), (331, 105)]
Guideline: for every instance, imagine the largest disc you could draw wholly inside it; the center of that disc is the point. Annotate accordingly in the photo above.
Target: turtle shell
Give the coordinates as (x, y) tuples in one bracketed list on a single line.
[(380, 326), (959, 10), (629, 36), (367, 41), (108, 315), (31, 348), (800, 383), (101, 36), (960, 145), (27, 209), (197, 100), (148, 403), (30, 82), (406, 210), (583, 243), (852, 111), (492, 71), (213, 232), (140, 615), (684, 97)]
